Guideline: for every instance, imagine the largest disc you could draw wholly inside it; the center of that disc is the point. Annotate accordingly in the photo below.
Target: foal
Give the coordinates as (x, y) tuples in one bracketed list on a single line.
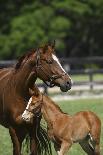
[(84, 127)]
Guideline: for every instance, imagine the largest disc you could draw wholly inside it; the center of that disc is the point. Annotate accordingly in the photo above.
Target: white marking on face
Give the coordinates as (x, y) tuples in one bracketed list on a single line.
[(26, 115), (56, 59), (30, 100)]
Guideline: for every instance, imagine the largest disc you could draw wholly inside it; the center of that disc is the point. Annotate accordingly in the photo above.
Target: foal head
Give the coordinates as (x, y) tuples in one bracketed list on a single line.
[(34, 105)]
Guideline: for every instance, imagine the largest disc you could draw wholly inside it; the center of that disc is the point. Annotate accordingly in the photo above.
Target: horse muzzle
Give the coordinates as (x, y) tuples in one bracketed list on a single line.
[(27, 116), (64, 87)]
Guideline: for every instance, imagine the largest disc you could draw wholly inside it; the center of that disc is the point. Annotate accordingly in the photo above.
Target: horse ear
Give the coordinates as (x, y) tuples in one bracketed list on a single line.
[(45, 48), (53, 44), (37, 56), (19, 62)]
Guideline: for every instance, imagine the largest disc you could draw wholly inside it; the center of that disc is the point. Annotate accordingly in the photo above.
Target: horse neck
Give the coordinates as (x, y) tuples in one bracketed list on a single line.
[(25, 78), (50, 110)]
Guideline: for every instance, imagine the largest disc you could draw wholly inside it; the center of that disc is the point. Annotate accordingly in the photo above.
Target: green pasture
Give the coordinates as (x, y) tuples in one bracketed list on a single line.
[(81, 77), (95, 105)]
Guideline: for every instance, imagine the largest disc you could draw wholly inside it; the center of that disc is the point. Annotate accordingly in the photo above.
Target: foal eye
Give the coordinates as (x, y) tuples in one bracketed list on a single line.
[(49, 61)]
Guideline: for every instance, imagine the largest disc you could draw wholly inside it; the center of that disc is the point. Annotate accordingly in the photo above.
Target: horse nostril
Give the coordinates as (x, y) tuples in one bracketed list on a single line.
[(68, 83)]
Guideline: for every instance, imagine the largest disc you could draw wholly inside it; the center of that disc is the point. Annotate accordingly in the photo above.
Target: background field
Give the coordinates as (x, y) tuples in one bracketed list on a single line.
[(70, 107)]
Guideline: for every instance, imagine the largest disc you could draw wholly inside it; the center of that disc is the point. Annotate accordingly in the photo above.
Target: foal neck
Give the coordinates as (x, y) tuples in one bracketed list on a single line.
[(49, 109)]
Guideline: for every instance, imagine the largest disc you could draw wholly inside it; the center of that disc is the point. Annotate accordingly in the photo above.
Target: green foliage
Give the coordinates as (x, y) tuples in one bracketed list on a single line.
[(76, 25), (58, 25)]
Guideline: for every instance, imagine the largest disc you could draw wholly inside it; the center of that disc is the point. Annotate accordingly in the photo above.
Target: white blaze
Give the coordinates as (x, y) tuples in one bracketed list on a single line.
[(26, 114), (30, 100), (56, 59)]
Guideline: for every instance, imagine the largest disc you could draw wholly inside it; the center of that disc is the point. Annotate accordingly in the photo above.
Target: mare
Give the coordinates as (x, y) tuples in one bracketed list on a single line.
[(14, 91), (84, 127)]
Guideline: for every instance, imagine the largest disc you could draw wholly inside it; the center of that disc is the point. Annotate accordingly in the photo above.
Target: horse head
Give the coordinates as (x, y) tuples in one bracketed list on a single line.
[(50, 70), (44, 64)]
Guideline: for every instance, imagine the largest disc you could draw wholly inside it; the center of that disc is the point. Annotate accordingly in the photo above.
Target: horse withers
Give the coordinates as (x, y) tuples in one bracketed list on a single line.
[(84, 127)]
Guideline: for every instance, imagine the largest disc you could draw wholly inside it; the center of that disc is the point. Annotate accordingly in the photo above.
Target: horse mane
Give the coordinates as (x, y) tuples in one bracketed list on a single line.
[(53, 103), (21, 59), (27, 55)]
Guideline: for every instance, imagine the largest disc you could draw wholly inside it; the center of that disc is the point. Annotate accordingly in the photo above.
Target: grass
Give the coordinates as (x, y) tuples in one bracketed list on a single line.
[(5, 142), (81, 77), (95, 105)]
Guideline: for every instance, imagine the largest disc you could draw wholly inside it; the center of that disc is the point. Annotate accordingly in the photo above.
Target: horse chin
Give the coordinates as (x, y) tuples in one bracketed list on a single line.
[(63, 89), (49, 84)]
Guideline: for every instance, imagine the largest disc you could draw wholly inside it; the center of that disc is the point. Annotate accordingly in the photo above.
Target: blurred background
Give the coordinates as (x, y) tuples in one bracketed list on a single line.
[(77, 27)]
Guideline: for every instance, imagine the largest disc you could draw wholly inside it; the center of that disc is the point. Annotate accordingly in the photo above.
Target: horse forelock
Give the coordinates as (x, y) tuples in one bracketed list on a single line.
[(22, 58)]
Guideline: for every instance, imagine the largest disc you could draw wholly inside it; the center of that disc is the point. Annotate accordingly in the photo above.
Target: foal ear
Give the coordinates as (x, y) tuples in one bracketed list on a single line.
[(31, 92), (34, 92)]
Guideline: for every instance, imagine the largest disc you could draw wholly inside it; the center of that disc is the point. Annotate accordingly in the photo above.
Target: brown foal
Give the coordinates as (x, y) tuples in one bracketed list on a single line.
[(84, 127)]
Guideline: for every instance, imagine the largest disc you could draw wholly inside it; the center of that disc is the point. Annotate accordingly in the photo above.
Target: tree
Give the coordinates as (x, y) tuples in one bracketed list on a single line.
[(76, 25)]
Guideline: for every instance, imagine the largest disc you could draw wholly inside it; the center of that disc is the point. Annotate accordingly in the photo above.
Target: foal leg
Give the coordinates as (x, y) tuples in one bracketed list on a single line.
[(64, 148), (57, 146), (17, 139), (86, 147), (89, 150), (91, 145), (96, 140), (96, 144), (97, 150)]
